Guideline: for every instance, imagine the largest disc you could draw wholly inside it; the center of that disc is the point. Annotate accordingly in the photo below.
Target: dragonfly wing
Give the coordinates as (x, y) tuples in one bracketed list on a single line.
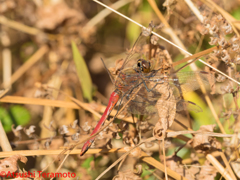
[(136, 52), (143, 103), (191, 81), (188, 105)]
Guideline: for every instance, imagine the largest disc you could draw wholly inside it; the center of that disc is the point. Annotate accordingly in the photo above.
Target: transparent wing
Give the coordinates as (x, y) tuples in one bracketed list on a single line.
[(145, 100), (137, 51)]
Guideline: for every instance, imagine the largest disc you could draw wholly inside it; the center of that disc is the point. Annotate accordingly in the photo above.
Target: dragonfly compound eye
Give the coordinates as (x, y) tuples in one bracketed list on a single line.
[(145, 66), (139, 65)]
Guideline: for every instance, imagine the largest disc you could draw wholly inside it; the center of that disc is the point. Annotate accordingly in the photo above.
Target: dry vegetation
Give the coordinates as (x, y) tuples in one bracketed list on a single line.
[(54, 88)]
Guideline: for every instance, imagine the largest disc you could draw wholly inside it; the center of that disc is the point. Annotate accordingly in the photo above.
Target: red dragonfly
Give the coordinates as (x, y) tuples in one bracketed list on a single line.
[(147, 68)]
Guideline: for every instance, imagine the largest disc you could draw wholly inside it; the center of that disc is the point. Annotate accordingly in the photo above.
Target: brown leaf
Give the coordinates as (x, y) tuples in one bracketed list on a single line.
[(175, 163), (204, 143), (10, 164), (17, 131), (208, 172)]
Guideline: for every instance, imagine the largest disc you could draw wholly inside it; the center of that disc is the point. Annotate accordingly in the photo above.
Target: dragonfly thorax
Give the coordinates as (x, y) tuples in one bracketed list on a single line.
[(143, 66)]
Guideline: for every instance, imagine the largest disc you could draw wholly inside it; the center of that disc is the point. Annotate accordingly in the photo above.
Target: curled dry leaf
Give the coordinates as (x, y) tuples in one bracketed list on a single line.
[(10, 164), (203, 143), (29, 132), (139, 169), (75, 137), (74, 124), (17, 131), (157, 131), (63, 129), (86, 127), (129, 139), (166, 107)]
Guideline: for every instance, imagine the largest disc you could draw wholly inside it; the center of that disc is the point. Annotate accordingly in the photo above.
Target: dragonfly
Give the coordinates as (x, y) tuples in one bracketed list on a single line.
[(147, 73)]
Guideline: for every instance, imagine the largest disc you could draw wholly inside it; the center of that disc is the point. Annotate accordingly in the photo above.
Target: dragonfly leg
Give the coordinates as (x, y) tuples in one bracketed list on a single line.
[(149, 90)]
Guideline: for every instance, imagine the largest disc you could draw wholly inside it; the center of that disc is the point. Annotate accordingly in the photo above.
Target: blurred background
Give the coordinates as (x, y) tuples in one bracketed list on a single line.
[(37, 45)]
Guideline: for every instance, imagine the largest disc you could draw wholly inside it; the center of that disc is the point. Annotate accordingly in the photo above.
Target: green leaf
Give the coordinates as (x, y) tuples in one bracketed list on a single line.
[(200, 118), (133, 31), (20, 114), (82, 72), (86, 163), (17, 115), (5, 119), (236, 13)]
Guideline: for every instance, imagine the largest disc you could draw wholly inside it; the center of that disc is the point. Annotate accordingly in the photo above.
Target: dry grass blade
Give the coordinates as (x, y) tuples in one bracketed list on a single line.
[(219, 167), (55, 152), (194, 9), (18, 26), (228, 166), (55, 103), (103, 14), (3, 92), (29, 63), (173, 134), (197, 55), (148, 159), (4, 139)]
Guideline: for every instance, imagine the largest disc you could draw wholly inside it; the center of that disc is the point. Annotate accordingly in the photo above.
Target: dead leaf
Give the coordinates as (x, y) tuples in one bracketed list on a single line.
[(10, 164), (203, 143), (208, 172)]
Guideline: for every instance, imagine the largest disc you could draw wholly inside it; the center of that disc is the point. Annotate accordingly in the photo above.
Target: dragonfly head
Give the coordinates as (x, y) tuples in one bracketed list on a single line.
[(143, 66)]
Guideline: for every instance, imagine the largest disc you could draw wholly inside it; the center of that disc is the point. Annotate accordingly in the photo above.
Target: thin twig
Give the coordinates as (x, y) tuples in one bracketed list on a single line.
[(103, 14)]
